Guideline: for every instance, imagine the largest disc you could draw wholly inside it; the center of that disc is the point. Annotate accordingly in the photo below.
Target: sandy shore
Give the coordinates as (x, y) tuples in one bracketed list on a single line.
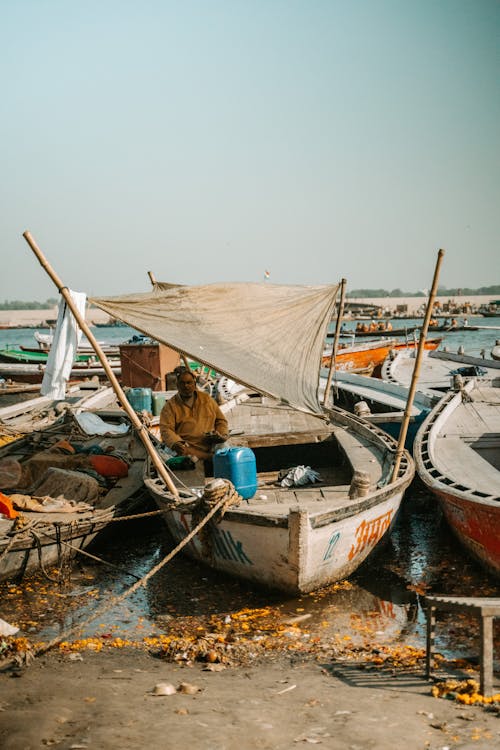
[(105, 701)]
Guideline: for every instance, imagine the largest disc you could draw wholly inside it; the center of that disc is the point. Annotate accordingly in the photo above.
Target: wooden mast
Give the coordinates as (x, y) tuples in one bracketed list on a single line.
[(416, 370), (326, 397), (141, 429)]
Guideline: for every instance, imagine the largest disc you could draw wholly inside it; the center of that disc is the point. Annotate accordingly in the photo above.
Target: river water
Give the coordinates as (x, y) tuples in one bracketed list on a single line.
[(380, 602)]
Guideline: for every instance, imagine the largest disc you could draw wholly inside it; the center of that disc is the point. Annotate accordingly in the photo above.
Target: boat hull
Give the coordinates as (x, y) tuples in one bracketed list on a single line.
[(456, 454), (296, 538), (300, 555), (476, 525)]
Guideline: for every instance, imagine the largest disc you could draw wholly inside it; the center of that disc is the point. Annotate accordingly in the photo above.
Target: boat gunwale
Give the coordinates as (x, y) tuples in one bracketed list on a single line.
[(447, 405), (323, 516)]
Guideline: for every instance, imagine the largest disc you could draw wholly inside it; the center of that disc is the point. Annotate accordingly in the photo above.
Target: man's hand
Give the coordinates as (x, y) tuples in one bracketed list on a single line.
[(215, 437), (181, 448)]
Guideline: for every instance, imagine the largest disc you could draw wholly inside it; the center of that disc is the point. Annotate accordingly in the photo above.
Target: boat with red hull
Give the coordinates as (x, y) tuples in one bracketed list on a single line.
[(457, 455), (359, 356)]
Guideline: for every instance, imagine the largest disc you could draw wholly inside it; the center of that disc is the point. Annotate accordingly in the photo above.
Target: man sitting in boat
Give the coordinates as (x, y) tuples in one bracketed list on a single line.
[(191, 422)]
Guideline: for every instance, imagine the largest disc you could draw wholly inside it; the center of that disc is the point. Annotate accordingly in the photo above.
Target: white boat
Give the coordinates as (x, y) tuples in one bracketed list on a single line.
[(292, 536), (437, 370), (457, 453), (50, 505), (380, 402)]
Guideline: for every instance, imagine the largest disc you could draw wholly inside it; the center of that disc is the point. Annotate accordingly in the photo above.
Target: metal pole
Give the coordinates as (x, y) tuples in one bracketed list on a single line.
[(335, 342), (141, 429), (416, 370)]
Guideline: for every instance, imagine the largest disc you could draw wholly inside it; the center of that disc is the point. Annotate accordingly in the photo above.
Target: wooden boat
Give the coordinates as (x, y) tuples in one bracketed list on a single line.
[(64, 507), (33, 373), (45, 340), (370, 353), (437, 369), (295, 538), (380, 402), (394, 332), (457, 453), (37, 356), (288, 535), (37, 413)]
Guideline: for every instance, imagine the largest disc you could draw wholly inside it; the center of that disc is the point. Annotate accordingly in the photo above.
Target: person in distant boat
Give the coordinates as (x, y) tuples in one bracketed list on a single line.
[(359, 327), (381, 326), (373, 326), (433, 323), (453, 323), (388, 326), (191, 422)]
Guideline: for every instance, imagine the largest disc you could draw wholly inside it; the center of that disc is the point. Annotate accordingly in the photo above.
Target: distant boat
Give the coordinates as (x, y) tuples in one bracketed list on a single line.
[(382, 332), (358, 356), (457, 453), (37, 356), (33, 373), (437, 368), (84, 347)]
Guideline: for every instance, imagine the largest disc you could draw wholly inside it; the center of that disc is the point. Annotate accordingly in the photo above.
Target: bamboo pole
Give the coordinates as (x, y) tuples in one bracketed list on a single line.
[(416, 370), (152, 277), (326, 397), (141, 429)]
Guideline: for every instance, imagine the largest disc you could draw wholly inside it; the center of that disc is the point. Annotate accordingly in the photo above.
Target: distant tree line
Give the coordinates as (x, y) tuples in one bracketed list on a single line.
[(19, 305), (441, 292)]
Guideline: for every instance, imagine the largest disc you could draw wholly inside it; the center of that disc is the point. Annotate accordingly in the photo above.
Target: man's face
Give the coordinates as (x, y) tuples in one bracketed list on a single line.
[(186, 385)]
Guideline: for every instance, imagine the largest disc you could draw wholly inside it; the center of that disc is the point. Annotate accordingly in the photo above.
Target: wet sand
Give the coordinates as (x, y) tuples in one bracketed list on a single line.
[(342, 667)]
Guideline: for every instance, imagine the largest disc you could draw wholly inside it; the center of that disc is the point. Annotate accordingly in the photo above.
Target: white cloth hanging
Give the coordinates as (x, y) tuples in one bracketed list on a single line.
[(63, 350)]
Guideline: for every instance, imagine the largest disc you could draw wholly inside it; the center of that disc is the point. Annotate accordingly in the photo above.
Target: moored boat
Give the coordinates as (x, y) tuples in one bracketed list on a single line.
[(437, 370), (380, 402), (294, 537), (457, 453), (62, 486), (323, 495), (33, 373), (357, 356)]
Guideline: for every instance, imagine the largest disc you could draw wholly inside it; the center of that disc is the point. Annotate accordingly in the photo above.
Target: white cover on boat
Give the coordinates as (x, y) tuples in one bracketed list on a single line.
[(92, 424), (269, 337), (64, 345)]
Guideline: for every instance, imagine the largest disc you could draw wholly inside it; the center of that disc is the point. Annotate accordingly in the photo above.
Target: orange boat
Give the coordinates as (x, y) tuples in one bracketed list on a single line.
[(370, 353)]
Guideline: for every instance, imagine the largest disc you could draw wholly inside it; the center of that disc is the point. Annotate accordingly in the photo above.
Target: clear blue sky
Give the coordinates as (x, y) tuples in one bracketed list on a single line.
[(211, 140)]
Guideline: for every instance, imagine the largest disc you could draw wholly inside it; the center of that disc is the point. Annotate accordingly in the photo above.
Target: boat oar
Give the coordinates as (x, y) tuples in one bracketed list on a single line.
[(141, 429), (416, 370), (335, 342)]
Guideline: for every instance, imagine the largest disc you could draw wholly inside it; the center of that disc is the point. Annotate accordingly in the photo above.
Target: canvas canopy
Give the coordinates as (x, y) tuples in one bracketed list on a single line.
[(269, 337)]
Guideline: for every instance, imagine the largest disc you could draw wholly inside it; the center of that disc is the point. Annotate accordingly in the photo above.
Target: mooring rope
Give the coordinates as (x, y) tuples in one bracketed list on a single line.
[(43, 648)]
